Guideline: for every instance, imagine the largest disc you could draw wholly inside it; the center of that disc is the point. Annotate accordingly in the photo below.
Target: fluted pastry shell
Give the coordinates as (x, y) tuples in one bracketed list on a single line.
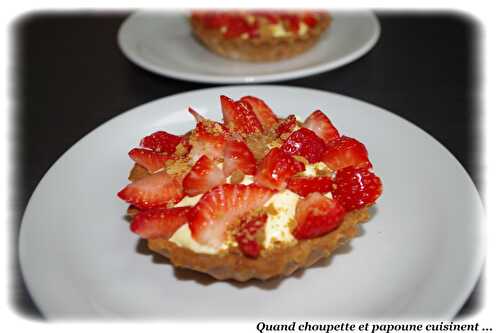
[(281, 260)]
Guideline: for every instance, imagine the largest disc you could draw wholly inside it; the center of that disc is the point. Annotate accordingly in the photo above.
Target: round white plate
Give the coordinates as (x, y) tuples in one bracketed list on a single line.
[(163, 44), (418, 256)]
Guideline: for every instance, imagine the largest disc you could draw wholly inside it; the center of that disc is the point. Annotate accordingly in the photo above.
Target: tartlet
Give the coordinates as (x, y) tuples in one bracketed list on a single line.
[(255, 196), (259, 36)]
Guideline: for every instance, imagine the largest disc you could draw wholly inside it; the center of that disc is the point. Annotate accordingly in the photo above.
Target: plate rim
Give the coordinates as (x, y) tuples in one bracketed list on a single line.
[(459, 301), (136, 59)]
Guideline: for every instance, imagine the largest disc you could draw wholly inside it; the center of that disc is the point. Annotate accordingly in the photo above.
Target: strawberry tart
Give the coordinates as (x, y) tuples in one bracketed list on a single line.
[(254, 196), (259, 36)]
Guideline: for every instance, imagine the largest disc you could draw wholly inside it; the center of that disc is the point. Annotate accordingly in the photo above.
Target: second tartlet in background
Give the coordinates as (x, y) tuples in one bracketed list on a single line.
[(259, 36)]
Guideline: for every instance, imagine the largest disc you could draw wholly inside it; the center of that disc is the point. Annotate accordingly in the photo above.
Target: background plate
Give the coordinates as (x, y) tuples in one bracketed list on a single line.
[(419, 255), (162, 43)]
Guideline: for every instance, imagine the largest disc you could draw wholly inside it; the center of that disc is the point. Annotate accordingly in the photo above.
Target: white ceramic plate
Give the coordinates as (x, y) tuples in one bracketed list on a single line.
[(163, 44), (419, 256)]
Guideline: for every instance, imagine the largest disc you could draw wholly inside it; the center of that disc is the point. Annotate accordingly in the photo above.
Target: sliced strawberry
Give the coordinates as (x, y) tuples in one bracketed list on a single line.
[(221, 207), (345, 152), (310, 20), (184, 147), (263, 112), (246, 235), (208, 138), (204, 175), (292, 22), (276, 168), (317, 215), (239, 117), (212, 19), (149, 159), (356, 187), (154, 190), (305, 143), (286, 126), (319, 123), (198, 117), (305, 185), (237, 156), (159, 222), (237, 26), (161, 142)]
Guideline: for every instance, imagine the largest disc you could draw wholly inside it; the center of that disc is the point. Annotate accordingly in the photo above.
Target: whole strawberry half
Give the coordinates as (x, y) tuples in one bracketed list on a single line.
[(161, 142), (317, 215), (276, 168), (221, 208), (237, 156), (151, 160), (319, 123), (151, 191), (204, 175), (356, 187), (159, 222), (246, 234), (303, 185), (239, 117), (345, 152), (305, 143), (264, 114)]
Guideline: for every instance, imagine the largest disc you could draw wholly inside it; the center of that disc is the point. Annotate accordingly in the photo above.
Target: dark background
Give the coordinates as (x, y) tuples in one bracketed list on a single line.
[(71, 77)]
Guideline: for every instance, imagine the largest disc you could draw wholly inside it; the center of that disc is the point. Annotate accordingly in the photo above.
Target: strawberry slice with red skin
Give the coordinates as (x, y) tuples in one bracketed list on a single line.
[(239, 117), (317, 215), (208, 138), (213, 19), (264, 114), (161, 142), (319, 123), (310, 20), (303, 185), (221, 208), (246, 235), (238, 25), (204, 175), (286, 125), (149, 159), (305, 143), (237, 156), (198, 117), (154, 190), (159, 222), (292, 22), (356, 188), (345, 152), (276, 168)]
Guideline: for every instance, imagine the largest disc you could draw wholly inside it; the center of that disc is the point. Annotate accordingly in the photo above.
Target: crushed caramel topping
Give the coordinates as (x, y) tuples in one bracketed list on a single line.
[(237, 177), (324, 172), (292, 223), (271, 210), (301, 159), (177, 167), (213, 127), (260, 236), (181, 150), (258, 144)]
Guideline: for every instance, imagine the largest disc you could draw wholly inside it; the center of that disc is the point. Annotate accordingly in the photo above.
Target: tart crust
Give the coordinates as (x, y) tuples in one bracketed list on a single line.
[(258, 49), (281, 260)]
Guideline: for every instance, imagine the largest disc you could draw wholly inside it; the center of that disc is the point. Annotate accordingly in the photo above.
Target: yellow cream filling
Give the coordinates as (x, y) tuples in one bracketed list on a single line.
[(277, 226)]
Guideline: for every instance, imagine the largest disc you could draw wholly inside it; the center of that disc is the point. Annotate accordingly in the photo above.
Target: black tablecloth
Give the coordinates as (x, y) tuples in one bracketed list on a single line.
[(70, 77)]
